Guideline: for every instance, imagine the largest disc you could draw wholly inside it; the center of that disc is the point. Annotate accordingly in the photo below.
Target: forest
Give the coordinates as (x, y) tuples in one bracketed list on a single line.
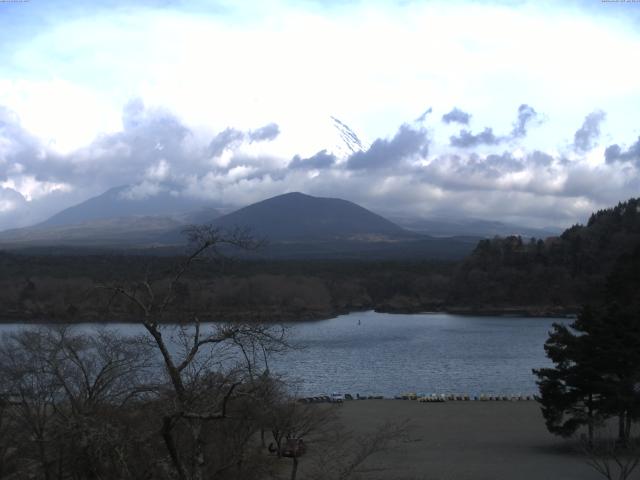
[(502, 275)]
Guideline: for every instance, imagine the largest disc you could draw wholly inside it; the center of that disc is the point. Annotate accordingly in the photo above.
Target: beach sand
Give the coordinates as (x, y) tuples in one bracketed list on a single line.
[(467, 440)]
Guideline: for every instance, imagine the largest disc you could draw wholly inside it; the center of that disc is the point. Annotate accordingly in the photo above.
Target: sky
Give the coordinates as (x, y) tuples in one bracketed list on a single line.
[(518, 111)]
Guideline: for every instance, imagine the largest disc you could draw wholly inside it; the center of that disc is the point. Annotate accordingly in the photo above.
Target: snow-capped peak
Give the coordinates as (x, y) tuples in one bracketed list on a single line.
[(347, 142)]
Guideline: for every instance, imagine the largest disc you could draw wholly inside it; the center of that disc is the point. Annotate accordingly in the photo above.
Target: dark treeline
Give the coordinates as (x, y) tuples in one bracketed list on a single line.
[(554, 275), (564, 271), (66, 287)]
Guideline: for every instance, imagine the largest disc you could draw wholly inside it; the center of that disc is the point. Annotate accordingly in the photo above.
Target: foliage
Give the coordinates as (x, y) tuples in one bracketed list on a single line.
[(567, 271), (597, 360)]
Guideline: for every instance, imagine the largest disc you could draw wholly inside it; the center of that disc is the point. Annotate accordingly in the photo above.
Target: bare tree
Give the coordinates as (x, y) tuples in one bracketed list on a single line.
[(206, 367), (611, 459), (292, 423), (66, 390)]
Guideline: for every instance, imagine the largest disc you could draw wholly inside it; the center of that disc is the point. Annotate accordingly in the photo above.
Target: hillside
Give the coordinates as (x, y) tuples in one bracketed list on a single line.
[(561, 271), (296, 216), (113, 219), (299, 226), (443, 226), (122, 202)]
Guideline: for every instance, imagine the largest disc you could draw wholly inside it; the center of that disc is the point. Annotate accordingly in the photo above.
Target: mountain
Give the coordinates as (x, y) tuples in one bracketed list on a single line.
[(121, 202), (347, 142), (295, 225), (119, 231), (300, 217), (299, 226), (449, 227), (115, 218)]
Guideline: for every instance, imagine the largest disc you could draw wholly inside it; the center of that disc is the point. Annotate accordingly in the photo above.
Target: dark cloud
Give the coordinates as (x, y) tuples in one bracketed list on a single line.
[(504, 163), (267, 133), (407, 142), (466, 139), (614, 153), (232, 138), (18, 148), (422, 117), (526, 114), (228, 138), (540, 159), (456, 115), (587, 135), (319, 161), (156, 152)]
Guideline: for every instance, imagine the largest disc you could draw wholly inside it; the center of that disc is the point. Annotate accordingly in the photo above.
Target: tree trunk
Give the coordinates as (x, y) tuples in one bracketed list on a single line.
[(167, 426), (294, 469), (622, 439), (196, 428), (590, 414), (627, 427), (43, 458)]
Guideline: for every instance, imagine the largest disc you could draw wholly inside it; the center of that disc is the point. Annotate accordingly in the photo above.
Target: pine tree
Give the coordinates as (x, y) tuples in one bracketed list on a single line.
[(597, 360)]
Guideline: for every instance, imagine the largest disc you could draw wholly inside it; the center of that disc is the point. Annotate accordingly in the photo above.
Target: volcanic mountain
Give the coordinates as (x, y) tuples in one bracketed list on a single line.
[(299, 217), (299, 226), (124, 201), (117, 217)]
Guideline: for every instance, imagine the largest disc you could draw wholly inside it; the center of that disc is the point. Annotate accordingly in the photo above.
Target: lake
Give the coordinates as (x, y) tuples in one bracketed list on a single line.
[(386, 354)]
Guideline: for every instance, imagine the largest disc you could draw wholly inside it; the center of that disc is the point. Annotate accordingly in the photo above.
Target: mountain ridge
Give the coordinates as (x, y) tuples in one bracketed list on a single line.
[(297, 216)]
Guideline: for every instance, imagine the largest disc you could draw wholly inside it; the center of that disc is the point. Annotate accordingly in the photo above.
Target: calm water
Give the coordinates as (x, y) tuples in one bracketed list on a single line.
[(383, 354), (387, 354)]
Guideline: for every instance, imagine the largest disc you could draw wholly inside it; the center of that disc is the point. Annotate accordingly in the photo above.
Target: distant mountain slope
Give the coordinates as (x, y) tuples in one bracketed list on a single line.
[(120, 231), (114, 218), (296, 217), (121, 202), (299, 226), (449, 227), (296, 226)]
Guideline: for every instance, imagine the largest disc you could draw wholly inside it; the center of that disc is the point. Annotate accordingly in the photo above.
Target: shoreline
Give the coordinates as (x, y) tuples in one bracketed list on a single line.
[(302, 317)]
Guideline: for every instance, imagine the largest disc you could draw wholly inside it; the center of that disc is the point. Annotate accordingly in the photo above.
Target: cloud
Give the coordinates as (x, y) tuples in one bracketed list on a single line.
[(587, 135), (227, 139), (466, 139), (422, 117), (614, 153), (266, 133), (159, 156), (319, 161), (142, 190), (231, 138), (456, 115), (407, 142), (10, 200), (154, 152), (526, 114)]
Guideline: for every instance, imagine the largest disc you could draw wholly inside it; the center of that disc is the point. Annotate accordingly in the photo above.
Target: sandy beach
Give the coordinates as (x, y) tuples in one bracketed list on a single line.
[(468, 440)]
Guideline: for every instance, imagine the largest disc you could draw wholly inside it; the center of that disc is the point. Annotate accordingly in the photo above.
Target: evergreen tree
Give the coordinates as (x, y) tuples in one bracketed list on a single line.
[(597, 360), (569, 393)]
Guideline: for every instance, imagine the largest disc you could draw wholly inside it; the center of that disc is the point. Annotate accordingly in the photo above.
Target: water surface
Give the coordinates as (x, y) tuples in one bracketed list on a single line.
[(375, 353), (386, 354)]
